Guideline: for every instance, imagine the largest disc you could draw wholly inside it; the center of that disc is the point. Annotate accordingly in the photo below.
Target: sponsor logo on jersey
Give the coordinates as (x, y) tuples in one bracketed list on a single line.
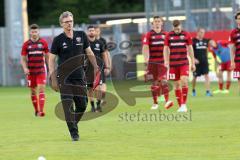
[(97, 45), (40, 45), (182, 37)]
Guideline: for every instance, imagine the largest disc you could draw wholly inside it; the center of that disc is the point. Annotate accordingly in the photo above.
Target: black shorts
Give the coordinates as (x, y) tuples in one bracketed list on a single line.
[(90, 80), (201, 69)]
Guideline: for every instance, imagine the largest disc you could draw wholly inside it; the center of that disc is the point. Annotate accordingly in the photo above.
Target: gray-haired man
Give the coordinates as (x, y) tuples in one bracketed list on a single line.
[(70, 47)]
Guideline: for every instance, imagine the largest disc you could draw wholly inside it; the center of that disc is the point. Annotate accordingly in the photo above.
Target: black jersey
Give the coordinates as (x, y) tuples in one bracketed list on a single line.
[(66, 48), (98, 48), (200, 48), (104, 42)]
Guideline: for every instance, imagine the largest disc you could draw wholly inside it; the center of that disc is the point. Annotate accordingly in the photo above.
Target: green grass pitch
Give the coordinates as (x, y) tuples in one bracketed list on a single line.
[(213, 133)]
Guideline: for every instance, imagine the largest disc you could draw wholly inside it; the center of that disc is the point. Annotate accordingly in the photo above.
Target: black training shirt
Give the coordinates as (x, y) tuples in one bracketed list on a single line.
[(200, 48), (66, 48)]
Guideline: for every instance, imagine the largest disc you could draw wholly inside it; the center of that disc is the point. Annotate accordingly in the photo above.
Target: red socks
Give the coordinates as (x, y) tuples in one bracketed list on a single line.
[(34, 102), (41, 100), (184, 94), (228, 85), (165, 91), (178, 94), (155, 92), (220, 84)]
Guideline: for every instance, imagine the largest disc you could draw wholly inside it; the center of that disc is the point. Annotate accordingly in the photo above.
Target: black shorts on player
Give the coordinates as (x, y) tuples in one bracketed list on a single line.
[(201, 69)]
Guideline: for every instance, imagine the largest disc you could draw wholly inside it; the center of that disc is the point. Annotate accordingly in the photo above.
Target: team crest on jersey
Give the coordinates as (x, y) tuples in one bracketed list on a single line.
[(153, 37), (163, 36), (182, 37), (40, 45), (29, 47), (78, 39), (238, 34), (171, 38), (97, 45), (64, 45)]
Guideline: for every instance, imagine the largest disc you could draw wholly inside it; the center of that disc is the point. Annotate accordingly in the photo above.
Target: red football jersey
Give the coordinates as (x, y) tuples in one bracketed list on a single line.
[(155, 41), (35, 52), (178, 47), (235, 39)]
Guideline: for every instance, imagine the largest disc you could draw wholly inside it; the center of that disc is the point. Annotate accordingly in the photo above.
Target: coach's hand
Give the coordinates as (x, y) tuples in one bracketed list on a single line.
[(54, 83), (106, 71), (193, 67), (196, 61)]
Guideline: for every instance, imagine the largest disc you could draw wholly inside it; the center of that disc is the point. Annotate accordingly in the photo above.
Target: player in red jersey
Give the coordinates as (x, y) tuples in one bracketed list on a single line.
[(235, 49), (177, 47), (34, 56), (153, 54)]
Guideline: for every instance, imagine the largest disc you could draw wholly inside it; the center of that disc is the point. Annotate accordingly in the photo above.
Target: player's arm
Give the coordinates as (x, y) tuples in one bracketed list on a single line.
[(145, 52), (232, 54), (51, 67), (192, 58), (92, 59), (24, 59), (166, 54), (109, 62), (106, 62), (24, 64)]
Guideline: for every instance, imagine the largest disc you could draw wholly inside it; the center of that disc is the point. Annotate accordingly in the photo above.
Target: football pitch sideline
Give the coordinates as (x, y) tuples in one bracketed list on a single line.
[(209, 131)]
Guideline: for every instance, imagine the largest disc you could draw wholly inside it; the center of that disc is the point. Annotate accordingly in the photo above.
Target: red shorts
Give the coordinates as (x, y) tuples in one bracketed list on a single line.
[(175, 73), (236, 72), (156, 71), (225, 66), (34, 80)]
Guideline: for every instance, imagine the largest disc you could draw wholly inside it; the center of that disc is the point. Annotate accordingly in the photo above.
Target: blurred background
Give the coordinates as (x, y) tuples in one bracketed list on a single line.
[(123, 24)]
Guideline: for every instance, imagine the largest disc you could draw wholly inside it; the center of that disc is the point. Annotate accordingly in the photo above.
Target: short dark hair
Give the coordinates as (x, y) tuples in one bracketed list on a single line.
[(97, 27), (237, 14), (34, 26), (91, 26), (155, 17), (176, 23)]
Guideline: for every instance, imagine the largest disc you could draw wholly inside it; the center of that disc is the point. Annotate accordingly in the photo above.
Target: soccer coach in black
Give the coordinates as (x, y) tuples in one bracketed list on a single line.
[(70, 48)]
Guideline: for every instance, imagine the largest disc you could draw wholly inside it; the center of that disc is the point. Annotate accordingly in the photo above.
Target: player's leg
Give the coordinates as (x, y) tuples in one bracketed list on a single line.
[(204, 72), (34, 99), (220, 82), (196, 73), (41, 99), (184, 88), (41, 82), (184, 73), (33, 89), (91, 97), (228, 82), (194, 80), (103, 90), (155, 93), (239, 86), (153, 72), (165, 92), (98, 92), (178, 92), (174, 74), (207, 85)]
